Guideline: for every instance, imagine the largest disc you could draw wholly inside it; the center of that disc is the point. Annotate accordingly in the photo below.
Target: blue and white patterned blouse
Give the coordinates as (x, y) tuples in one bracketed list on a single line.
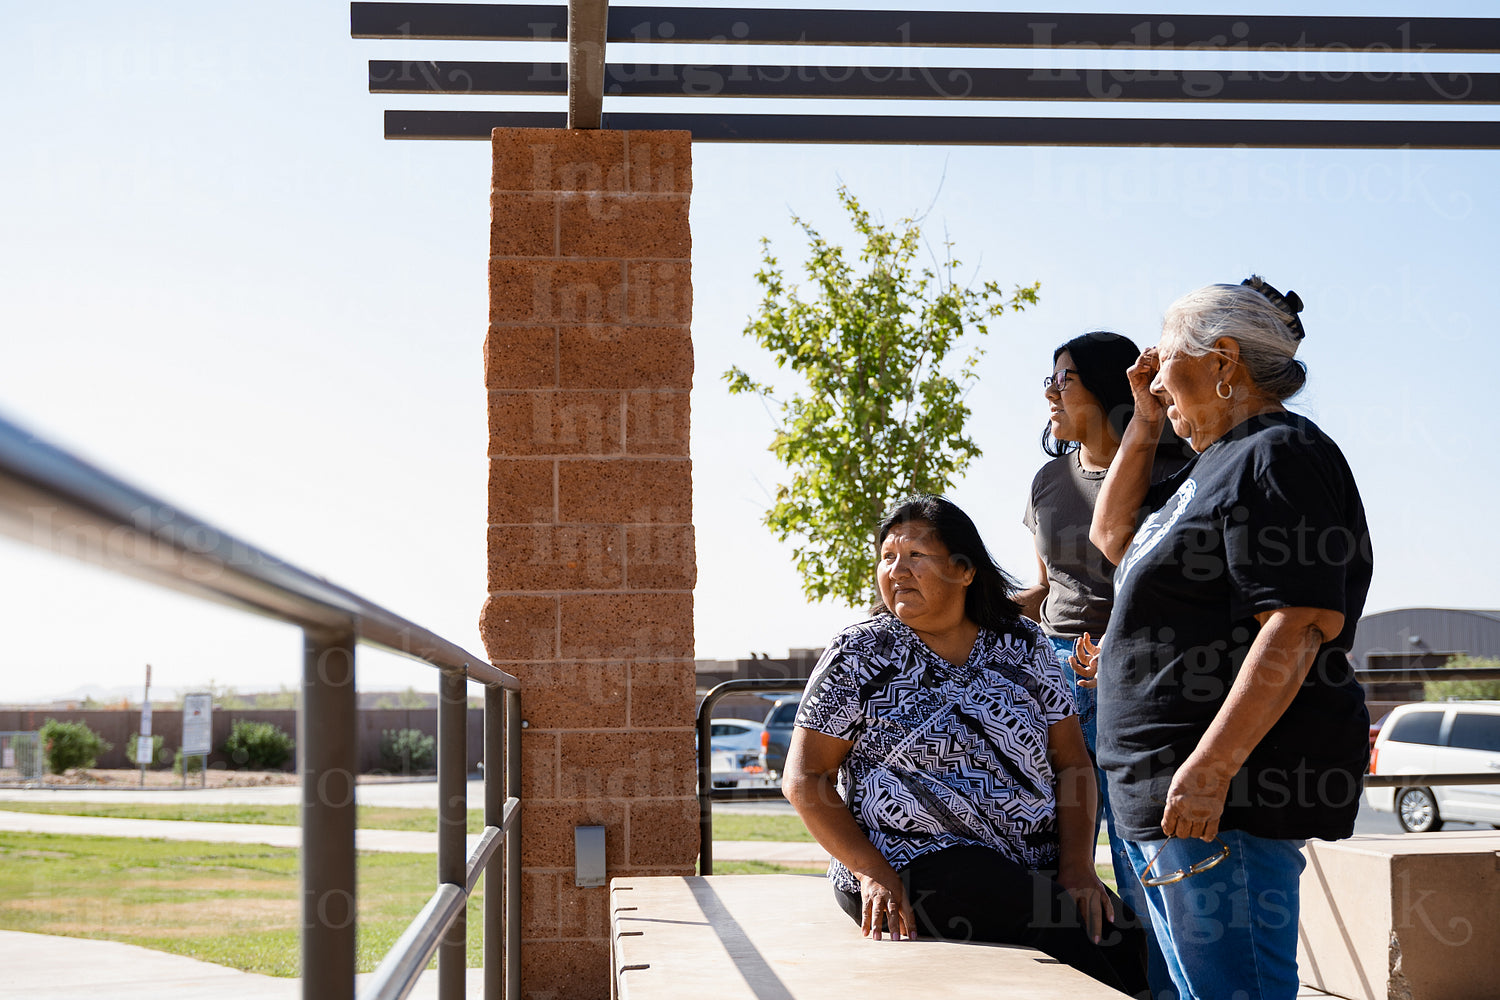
[(943, 756)]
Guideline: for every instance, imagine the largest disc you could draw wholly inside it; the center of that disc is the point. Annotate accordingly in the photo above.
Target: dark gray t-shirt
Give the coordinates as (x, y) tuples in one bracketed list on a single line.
[(1058, 512)]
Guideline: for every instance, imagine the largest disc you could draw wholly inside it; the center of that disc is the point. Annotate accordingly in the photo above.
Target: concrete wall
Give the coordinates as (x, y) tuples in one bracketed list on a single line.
[(588, 364), (1406, 917)]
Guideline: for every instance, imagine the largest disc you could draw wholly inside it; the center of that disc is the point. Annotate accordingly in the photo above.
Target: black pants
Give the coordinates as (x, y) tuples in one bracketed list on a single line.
[(977, 894)]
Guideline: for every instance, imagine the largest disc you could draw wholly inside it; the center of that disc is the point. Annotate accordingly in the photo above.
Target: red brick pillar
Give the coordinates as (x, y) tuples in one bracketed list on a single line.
[(588, 364)]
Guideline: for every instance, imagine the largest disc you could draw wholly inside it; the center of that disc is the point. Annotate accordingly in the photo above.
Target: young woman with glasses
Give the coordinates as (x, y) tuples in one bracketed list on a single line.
[(1090, 404)]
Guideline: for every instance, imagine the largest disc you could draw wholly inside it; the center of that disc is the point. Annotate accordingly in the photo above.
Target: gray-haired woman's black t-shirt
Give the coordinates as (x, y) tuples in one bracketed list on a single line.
[(1267, 517)]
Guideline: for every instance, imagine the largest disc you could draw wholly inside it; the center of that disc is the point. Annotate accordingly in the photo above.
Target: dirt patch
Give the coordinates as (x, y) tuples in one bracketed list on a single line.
[(130, 778)]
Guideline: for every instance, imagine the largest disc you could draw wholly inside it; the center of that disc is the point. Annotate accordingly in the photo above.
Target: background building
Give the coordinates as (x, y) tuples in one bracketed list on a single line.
[(1419, 637)]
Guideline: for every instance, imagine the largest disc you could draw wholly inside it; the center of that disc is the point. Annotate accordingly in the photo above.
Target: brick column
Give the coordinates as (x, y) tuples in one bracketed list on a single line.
[(588, 364)]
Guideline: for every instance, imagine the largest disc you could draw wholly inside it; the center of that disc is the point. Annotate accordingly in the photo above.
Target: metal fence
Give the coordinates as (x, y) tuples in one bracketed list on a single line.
[(1418, 675), (54, 500), (707, 793), (21, 757)]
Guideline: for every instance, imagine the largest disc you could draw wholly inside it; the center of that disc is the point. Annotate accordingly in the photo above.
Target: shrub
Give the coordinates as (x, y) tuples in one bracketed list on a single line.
[(193, 763), (159, 754), (407, 750), (71, 744), (258, 745)]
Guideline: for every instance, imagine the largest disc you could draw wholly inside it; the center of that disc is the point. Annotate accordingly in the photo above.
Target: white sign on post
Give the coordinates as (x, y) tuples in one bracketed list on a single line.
[(197, 724), (146, 719), (143, 750)]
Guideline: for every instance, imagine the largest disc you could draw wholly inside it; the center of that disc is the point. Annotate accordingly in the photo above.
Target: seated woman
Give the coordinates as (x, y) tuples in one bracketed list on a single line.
[(938, 758)]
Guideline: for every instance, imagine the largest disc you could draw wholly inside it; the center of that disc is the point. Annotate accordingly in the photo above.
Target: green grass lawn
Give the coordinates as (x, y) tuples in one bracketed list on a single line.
[(230, 904), (759, 826)]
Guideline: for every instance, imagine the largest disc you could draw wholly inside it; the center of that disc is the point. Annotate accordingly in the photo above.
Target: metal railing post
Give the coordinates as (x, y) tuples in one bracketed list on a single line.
[(513, 847), (494, 871), (704, 725), (328, 748), (453, 815)]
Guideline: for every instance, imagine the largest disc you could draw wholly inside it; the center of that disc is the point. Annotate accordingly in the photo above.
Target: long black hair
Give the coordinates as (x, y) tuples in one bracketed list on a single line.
[(989, 601), (1101, 358)]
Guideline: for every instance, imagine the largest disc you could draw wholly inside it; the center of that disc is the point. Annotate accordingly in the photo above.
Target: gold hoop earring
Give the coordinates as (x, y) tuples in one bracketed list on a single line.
[(1224, 390)]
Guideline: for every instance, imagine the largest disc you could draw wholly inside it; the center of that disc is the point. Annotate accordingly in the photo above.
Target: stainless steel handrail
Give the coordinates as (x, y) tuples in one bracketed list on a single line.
[(56, 501)]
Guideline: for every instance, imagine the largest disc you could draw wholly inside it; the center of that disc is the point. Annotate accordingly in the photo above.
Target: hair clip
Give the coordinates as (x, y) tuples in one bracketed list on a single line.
[(1290, 303)]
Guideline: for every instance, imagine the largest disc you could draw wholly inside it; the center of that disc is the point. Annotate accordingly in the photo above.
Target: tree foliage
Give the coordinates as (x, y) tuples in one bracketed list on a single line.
[(882, 416)]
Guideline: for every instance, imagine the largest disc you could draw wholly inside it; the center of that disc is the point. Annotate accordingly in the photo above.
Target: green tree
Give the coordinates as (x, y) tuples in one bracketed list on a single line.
[(1466, 690), (882, 415)]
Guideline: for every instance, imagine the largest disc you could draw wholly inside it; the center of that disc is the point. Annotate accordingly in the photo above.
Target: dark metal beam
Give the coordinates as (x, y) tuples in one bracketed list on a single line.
[(918, 83), (547, 22), (586, 29), (944, 130)]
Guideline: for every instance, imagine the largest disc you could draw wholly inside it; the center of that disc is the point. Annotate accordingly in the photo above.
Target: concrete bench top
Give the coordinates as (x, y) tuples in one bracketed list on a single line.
[(779, 937)]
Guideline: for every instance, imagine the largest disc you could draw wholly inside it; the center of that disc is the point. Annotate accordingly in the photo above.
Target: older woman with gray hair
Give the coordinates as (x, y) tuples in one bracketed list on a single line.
[(1230, 724)]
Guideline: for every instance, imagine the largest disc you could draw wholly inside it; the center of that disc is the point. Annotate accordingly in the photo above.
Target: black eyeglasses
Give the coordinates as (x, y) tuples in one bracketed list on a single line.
[(1059, 378)]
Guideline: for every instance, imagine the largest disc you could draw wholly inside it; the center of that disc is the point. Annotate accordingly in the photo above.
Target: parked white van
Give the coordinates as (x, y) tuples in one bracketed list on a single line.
[(1452, 737)]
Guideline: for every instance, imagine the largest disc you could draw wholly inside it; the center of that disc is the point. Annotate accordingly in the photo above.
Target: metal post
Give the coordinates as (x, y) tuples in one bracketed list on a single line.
[(327, 748), (588, 22), (513, 847), (453, 814), (705, 787), (494, 871)]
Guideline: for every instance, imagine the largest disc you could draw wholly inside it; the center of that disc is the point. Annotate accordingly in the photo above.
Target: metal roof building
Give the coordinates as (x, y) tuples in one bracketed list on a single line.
[(1425, 637)]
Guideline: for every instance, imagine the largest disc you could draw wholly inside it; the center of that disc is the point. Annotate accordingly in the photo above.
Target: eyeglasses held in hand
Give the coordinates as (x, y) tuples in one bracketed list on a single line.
[(1059, 378), (1202, 866)]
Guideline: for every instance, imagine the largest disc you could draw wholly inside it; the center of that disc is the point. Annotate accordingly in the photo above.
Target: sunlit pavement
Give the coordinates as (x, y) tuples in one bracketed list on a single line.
[(62, 968)]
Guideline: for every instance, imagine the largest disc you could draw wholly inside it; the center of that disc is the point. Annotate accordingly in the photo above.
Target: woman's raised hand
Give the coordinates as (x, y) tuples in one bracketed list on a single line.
[(884, 905), (1085, 662), (1140, 375)]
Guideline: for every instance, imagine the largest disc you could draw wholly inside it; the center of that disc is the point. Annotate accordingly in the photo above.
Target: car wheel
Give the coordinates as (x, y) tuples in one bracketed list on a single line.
[(1417, 811)]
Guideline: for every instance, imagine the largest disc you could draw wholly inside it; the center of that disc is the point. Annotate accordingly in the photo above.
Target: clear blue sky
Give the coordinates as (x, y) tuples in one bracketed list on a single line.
[(217, 279)]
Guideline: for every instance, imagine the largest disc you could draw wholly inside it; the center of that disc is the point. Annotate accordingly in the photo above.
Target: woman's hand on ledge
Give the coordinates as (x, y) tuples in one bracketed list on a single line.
[(1091, 898), (884, 904)]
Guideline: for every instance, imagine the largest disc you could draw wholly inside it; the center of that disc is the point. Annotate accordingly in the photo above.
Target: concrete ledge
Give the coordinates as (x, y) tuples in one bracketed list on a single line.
[(778, 937), (1410, 917)]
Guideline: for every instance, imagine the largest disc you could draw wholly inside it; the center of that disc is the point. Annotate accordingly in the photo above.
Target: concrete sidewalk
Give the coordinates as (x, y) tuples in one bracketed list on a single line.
[(64, 968)]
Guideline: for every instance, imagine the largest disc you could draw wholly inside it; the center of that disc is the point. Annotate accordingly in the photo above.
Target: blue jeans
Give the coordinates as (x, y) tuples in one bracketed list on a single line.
[(1229, 933), (1127, 884)]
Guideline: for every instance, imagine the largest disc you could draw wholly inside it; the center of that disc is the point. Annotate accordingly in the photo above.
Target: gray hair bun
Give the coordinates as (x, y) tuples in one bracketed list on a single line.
[(1289, 305)]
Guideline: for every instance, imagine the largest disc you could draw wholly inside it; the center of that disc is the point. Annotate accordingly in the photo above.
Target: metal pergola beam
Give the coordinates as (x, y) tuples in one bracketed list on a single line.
[(927, 83), (922, 28), (945, 130), (586, 39)]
